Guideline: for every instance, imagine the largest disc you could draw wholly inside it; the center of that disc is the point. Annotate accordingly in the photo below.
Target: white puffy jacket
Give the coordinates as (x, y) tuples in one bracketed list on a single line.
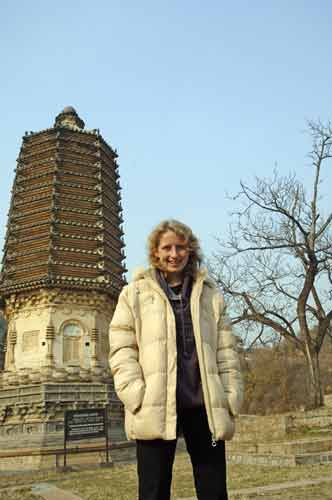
[(143, 358)]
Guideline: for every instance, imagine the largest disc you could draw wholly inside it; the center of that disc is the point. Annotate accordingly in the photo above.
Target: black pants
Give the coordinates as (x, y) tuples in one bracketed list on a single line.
[(155, 461)]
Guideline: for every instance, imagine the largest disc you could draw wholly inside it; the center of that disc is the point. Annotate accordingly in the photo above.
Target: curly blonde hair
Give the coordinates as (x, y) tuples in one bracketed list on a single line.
[(183, 231)]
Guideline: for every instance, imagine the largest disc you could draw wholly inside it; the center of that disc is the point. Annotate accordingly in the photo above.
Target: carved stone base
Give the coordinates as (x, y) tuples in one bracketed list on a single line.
[(49, 374), (32, 416)]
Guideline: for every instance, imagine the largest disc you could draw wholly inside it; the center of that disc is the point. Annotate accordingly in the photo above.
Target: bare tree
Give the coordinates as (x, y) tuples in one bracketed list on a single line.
[(276, 261)]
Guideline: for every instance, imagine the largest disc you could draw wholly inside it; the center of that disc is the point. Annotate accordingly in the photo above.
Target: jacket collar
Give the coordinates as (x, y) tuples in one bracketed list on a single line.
[(150, 273)]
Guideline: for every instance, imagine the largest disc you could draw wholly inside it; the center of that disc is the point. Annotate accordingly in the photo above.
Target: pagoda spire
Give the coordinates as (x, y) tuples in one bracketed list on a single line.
[(69, 118)]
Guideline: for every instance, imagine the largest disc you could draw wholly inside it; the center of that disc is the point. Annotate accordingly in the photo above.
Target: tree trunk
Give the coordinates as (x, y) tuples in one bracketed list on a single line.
[(315, 389)]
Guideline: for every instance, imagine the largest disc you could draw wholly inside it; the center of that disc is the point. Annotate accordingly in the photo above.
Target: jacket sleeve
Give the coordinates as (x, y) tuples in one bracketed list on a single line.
[(128, 378), (228, 361)]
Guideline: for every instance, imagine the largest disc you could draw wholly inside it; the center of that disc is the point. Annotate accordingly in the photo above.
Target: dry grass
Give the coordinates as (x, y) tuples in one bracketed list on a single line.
[(120, 483), (319, 492), (23, 494)]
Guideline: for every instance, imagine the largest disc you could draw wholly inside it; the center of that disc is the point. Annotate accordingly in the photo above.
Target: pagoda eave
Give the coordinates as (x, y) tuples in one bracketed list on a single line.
[(77, 285)]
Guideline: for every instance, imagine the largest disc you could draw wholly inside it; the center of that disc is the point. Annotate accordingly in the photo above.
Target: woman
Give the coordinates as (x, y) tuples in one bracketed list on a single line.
[(175, 366)]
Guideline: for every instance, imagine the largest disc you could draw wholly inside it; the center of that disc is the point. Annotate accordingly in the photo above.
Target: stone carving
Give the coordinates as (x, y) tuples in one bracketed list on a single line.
[(50, 336), (4, 412), (30, 302), (30, 341)]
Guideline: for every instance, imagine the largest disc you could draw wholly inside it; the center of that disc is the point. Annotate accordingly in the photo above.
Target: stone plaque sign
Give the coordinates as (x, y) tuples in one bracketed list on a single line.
[(85, 424)]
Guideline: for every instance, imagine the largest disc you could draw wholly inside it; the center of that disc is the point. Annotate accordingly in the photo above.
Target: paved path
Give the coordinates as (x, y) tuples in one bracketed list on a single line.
[(51, 492), (260, 490)]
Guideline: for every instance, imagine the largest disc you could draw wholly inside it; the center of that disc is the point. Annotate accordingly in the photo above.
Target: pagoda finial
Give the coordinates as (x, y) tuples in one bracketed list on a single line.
[(69, 118)]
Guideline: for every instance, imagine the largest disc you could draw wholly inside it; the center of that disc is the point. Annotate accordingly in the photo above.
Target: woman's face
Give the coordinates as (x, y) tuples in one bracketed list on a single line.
[(172, 253)]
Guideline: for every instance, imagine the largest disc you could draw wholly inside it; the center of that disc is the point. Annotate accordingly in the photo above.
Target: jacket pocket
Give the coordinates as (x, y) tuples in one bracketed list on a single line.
[(129, 424), (218, 395), (131, 394)]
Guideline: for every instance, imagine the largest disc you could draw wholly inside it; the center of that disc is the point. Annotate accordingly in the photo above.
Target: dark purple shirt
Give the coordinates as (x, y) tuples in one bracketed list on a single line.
[(189, 387)]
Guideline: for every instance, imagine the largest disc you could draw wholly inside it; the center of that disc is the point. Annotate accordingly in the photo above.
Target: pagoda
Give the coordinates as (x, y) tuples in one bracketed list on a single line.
[(62, 272)]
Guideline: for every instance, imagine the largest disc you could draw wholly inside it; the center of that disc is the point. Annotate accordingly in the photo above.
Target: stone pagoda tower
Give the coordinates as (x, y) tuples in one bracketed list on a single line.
[(62, 272)]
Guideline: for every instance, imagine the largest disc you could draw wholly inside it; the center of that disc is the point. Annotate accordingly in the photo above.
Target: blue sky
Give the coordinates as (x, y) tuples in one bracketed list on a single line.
[(194, 96)]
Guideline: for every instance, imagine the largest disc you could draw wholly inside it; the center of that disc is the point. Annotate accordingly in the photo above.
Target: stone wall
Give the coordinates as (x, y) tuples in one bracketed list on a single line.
[(328, 400), (258, 429), (33, 415), (253, 428), (315, 419), (283, 440)]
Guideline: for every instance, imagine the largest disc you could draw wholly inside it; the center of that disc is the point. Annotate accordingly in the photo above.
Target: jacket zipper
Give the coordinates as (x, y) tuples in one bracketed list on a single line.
[(184, 340), (209, 409), (169, 310)]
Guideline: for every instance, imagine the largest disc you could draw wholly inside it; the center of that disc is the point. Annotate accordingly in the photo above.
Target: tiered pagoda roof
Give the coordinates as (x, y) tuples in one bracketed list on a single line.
[(65, 219)]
